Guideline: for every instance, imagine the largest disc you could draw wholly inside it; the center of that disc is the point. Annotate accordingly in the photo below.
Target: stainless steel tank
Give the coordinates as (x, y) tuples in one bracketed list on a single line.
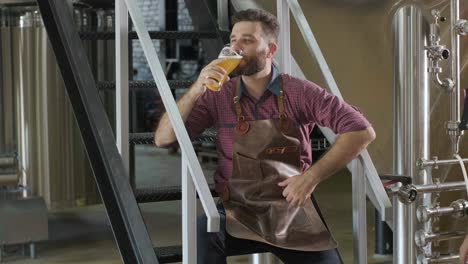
[(411, 122), (52, 160), (7, 138)]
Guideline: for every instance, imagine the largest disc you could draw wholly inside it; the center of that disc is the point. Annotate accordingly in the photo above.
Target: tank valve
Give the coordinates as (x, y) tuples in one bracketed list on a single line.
[(461, 27), (460, 208), (457, 209), (407, 193), (423, 213), (439, 52), (422, 238)]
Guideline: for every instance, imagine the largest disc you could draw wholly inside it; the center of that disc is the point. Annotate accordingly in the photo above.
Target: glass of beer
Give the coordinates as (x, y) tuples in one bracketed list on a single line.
[(230, 60)]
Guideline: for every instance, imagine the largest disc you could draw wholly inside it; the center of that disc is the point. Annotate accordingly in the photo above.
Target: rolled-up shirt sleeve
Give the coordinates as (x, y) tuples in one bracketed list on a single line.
[(202, 115), (327, 110)]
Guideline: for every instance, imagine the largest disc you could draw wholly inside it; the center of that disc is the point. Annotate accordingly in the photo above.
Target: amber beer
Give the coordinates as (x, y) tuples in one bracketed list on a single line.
[(229, 61)]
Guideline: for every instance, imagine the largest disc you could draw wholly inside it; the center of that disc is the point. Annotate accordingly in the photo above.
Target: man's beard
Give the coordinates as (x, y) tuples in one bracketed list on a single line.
[(252, 65)]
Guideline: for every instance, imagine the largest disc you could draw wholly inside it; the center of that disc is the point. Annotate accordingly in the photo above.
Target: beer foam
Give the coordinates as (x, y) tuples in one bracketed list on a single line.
[(230, 57)]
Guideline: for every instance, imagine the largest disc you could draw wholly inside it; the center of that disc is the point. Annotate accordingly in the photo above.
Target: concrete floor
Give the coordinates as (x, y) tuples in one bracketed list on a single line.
[(83, 235)]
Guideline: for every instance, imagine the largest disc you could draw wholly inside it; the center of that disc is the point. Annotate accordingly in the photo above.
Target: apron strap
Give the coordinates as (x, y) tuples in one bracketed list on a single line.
[(279, 99), (237, 105)]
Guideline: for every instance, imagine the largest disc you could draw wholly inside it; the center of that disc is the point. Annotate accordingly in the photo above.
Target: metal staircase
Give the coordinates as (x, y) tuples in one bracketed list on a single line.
[(111, 173), (109, 170)]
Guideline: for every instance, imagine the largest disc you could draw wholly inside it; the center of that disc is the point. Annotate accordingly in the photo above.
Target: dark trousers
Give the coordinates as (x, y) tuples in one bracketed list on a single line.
[(213, 248)]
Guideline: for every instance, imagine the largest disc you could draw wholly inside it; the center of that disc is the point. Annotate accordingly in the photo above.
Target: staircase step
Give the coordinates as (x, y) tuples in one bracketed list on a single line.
[(170, 254), (89, 35), (160, 194), (147, 138), (145, 85), (141, 138)]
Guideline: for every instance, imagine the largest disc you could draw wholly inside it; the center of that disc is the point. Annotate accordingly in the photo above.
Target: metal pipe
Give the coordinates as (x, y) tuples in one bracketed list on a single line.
[(432, 260), (437, 52), (453, 124), (408, 193), (422, 238), (457, 209), (455, 51), (425, 213), (441, 187), (411, 121), (422, 163), (446, 83)]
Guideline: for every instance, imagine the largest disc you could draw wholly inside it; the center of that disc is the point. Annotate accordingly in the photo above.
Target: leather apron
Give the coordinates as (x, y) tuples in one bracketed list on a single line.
[(266, 152)]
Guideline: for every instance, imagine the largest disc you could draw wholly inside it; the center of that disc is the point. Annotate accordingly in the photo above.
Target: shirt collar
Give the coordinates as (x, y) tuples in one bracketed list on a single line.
[(273, 85)]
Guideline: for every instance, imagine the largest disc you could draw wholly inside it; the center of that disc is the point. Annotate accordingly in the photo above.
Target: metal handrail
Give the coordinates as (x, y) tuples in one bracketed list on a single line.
[(362, 165), (190, 163), (382, 200)]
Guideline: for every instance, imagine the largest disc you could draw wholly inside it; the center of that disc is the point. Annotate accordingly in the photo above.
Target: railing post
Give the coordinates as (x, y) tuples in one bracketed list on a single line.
[(121, 78), (285, 36), (359, 212), (189, 215), (223, 15)]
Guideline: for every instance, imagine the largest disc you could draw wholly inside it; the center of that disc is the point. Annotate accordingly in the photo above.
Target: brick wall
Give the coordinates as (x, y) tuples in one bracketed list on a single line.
[(153, 12)]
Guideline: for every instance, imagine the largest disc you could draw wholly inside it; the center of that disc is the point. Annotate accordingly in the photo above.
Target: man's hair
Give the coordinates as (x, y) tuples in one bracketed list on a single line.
[(268, 21)]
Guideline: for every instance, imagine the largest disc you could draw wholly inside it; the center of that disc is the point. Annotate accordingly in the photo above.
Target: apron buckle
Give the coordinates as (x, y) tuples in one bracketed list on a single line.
[(242, 126)]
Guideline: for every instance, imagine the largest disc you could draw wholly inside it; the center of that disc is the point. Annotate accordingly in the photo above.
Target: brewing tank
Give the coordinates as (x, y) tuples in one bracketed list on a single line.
[(37, 120)]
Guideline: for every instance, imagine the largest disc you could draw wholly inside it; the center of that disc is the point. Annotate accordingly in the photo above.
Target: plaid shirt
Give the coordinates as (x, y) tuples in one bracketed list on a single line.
[(305, 103)]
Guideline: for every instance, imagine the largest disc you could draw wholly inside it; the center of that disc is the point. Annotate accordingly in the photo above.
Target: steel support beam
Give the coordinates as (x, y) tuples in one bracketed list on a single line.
[(125, 217)]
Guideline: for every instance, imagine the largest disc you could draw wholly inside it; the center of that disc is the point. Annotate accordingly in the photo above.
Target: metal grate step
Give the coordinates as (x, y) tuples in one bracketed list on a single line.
[(170, 254), (144, 85), (147, 138), (159, 194), (91, 35), (141, 138)]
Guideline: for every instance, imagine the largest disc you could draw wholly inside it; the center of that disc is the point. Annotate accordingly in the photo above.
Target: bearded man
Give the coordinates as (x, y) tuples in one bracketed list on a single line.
[(265, 175)]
